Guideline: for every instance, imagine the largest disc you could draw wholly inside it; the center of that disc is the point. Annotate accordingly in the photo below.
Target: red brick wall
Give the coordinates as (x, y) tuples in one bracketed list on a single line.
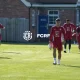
[(43, 11), (13, 8), (68, 14)]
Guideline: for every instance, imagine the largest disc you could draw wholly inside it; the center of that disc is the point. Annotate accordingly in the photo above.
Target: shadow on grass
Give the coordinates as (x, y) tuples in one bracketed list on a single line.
[(78, 52), (27, 43), (5, 58), (71, 66), (12, 52)]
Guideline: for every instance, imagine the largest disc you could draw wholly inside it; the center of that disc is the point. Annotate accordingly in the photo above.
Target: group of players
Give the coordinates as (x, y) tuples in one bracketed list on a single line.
[(60, 35)]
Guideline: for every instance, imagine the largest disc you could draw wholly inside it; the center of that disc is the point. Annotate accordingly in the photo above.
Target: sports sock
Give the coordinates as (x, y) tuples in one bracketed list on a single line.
[(58, 61), (54, 60), (64, 49)]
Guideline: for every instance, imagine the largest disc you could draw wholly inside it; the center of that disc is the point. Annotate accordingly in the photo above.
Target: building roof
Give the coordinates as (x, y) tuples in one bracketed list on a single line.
[(53, 1), (78, 3)]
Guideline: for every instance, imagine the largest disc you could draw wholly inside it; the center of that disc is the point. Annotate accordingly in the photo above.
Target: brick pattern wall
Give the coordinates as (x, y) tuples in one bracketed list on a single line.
[(13, 8), (68, 14)]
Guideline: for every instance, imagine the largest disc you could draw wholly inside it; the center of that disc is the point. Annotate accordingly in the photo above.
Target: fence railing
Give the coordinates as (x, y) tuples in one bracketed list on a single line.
[(14, 29)]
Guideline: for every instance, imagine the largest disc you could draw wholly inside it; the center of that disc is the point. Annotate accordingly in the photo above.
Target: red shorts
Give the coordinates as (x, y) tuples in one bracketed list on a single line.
[(58, 45), (78, 40), (68, 36)]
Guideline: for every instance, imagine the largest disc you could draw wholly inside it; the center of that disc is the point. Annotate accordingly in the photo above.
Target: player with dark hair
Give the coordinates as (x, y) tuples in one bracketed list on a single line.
[(57, 38), (69, 28)]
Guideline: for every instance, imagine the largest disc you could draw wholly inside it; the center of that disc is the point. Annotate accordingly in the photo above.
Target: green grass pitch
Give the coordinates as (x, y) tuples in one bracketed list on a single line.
[(34, 62)]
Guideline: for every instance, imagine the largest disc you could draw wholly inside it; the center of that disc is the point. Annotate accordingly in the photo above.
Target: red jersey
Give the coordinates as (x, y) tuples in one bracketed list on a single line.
[(56, 34), (1, 26), (68, 30), (78, 34), (78, 29)]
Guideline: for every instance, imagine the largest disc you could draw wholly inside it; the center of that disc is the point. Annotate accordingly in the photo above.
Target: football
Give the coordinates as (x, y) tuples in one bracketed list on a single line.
[(50, 45)]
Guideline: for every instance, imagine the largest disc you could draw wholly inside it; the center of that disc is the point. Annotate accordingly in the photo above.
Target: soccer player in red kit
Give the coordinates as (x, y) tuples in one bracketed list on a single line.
[(78, 36), (56, 37), (1, 27), (69, 28)]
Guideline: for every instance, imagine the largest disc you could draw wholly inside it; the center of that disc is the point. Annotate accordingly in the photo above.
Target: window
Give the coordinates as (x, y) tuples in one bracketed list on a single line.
[(52, 15)]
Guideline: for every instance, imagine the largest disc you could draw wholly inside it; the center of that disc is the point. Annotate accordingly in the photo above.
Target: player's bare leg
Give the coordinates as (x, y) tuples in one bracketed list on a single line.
[(79, 47), (59, 56), (54, 56), (69, 46), (65, 45)]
